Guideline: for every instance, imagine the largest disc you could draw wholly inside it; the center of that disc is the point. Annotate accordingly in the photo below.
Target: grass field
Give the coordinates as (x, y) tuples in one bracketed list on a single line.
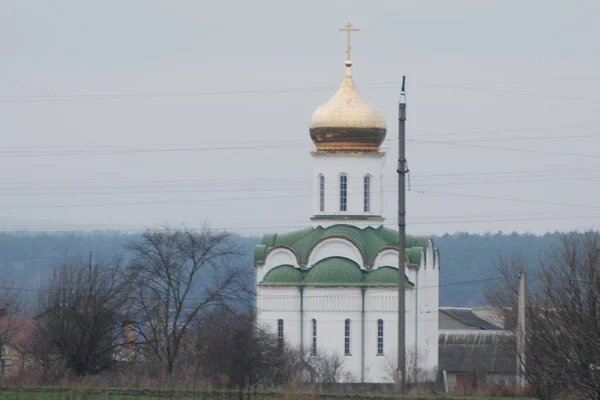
[(82, 393)]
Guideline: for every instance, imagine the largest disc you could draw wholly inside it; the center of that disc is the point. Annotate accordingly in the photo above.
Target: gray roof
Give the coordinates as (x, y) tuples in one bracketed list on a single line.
[(466, 317), (477, 351)]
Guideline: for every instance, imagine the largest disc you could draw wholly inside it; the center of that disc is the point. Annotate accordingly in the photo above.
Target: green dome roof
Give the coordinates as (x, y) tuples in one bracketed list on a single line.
[(384, 276), (370, 241), (334, 271), (283, 274)]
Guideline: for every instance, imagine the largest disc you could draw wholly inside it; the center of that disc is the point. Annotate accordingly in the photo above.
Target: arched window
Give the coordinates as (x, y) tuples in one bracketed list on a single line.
[(347, 337), (367, 193), (379, 337), (321, 192), (280, 333), (343, 193), (313, 349)]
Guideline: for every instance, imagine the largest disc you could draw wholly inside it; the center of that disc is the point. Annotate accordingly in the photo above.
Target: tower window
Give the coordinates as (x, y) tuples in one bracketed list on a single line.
[(367, 193), (313, 349), (379, 337), (343, 193), (347, 337), (321, 192), (280, 333)]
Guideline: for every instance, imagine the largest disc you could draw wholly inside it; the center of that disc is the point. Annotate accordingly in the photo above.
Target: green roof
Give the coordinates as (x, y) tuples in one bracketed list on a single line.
[(384, 276), (369, 240), (332, 271), (284, 274)]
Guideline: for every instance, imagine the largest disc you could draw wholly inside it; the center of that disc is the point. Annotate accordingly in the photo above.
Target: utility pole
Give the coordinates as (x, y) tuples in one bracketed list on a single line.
[(521, 333), (402, 170)]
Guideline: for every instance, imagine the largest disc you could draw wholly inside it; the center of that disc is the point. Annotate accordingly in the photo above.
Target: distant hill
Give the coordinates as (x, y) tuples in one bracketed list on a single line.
[(26, 259)]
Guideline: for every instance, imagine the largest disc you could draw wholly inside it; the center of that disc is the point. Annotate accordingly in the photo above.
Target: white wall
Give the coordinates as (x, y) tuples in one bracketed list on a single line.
[(355, 167), (338, 247), (331, 306), (276, 257)]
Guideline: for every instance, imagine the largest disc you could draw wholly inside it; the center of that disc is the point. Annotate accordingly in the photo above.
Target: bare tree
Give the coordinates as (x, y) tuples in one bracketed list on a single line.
[(328, 367), (562, 336), (414, 373), (81, 309), (175, 275), (230, 346)]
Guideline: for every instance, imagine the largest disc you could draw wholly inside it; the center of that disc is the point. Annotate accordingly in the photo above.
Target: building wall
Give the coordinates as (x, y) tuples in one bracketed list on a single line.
[(450, 323), (11, 361), (462, 382), (427, 298), (331, 306), (355, 167)]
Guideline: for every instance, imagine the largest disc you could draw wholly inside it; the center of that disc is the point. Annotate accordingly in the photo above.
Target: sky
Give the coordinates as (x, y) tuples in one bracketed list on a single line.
[(140, 113)]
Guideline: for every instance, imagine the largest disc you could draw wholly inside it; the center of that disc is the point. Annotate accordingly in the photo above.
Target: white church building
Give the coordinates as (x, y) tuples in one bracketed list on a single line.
[(332, 288)]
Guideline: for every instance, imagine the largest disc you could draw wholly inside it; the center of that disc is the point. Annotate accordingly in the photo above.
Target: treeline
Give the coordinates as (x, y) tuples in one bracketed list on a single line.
[(26, 259), (179, 308)]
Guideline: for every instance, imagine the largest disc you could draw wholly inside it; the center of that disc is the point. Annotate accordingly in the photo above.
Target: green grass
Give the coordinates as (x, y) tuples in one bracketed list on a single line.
[(97, 393)]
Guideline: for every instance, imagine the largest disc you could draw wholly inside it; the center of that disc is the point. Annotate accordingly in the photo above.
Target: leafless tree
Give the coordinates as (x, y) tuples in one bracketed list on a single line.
[(328, 367), (81, 308), (230, 346), (175, 275), (562, 336), (414, 373)]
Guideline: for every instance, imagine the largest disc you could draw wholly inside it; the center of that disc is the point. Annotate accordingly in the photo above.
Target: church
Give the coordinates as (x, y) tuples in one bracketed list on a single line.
[(332, 288)]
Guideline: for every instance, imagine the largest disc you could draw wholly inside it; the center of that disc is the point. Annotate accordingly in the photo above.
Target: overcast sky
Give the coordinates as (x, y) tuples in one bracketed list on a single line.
[(89, 90)]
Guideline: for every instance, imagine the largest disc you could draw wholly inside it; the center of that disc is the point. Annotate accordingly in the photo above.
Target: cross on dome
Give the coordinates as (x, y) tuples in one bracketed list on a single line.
[(347, 122), (349, 30)]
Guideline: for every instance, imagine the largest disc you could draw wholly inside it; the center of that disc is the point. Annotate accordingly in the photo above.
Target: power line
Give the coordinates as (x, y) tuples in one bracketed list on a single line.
[(553, 153), (160, 190), (135, 203), (511, 199), (425, 176), (379, 290), (516, 139), (373, 85), (65, 152)]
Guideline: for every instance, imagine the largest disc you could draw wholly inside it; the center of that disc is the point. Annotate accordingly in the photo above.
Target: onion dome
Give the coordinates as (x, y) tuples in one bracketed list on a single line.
[(347, 123)]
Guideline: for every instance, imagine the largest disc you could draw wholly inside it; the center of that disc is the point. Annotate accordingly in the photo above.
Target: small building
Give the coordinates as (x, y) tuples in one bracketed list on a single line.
[(475, 353), (460, 318), (16, 337)]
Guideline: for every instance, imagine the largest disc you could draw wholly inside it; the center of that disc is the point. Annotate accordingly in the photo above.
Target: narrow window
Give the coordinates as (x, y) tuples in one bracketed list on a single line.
[(347, 337), (321, 192), (379, 337), (280, 333), (343, 193), (367, 193), (314, 337)]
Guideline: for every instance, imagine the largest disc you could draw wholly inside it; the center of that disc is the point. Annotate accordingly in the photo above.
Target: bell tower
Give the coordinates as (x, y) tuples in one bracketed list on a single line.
[(348, 163)]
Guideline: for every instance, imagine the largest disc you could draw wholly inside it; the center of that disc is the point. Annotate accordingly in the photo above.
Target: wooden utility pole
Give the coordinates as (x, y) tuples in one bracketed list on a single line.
[(402, 170), (521, 333)]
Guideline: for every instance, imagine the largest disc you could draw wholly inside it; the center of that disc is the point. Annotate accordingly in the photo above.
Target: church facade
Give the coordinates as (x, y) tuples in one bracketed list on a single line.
[(333, 288)]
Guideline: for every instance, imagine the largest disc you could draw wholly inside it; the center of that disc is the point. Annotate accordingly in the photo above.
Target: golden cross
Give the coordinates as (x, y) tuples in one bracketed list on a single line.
[(349, 30)]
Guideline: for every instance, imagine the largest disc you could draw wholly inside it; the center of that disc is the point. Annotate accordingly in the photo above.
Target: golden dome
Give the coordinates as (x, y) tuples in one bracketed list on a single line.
[(347, 123)]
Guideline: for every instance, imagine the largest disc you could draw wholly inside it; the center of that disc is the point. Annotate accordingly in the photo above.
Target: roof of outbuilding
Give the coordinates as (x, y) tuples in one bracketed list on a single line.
[(467, 317), (369, 240), (477, 351)]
